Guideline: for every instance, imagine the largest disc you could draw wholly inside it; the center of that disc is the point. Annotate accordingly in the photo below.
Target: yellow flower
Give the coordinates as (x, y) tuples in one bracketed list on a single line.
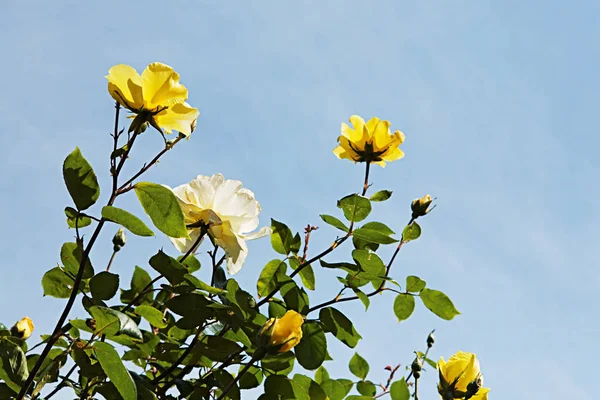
[(420, 207), (282, 334), (370, 142), (460, 377), (156, 97), (23, 328)]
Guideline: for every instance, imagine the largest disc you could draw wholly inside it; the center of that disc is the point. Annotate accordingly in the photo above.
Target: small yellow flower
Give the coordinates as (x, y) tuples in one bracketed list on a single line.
[(156, 97), (370, 142), (23, 328), (282, 334), (459, 376)]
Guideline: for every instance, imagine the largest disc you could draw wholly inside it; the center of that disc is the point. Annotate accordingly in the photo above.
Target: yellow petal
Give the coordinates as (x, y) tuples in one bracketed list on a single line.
[(482, 394), (381, 136), (287, 331), (179, 117), (344, 150), (125, 86), (161, 86), (393, 153), (361, 132)]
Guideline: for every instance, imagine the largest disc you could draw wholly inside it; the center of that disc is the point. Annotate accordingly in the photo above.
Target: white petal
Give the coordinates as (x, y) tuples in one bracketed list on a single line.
[(264, 231), (234, 265), (184, 245)]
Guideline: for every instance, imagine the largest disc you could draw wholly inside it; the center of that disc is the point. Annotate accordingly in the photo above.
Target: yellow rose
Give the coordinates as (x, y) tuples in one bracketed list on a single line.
[(156, 97), (460, 377), (23, 328), (370, 142), (282, 334), (420, 207)]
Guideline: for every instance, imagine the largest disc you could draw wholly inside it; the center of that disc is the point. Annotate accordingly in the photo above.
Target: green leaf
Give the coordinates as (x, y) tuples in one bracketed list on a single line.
[(334, 389), (285, 388), (282, 363), (314, 390), (366, 388), (104, 285), (347, 384), (71, 255), (414, 284), (282, 238), (81, 180), (252, 378), (172, 269), (371, 264), (198, 284), (378, 226), (296, 244), (312, 348), (321, 375), (126, 220), (13, 364), (267, 281), (333, 221), (115, 370), (163, 208), (224, 378), (139, 281), (359, 366), (191, 263), (306, 274), (217, 348), (339, 325), (411, 232), (57, 283), (111, 322), (72, 219), (295, 298), (382, 195), (439, 304), (373, 236), (152, 315), (343, 265), (362, 297), (399, 390), (404, 305), (356, 208)]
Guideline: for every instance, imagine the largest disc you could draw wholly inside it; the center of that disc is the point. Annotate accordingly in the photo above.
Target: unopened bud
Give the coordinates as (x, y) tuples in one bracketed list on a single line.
[(119, 239), (23, 328), (474, 386), (430, 340), (420, 207), (416, 366)]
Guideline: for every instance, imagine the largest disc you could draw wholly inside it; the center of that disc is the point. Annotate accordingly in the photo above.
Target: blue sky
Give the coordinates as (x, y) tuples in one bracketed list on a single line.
[(497, 101)]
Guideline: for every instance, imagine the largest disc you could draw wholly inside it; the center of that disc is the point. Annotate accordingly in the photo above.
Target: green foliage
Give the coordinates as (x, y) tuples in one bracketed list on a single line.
[(104, 285), (75, 219), (399, 390), (162, 207), (404, 305), (111, 322), (115, 370), (307, 275), (71, 256), (411, 232), (13, 367), (333, 221), (312, 349), (57, 283), (267, 281), (382, 195), (80, 180), (339, 325), (359, 366), (283, 240), (414, 284), (168, 267), (439, 304), (127, 220), (355, 208)]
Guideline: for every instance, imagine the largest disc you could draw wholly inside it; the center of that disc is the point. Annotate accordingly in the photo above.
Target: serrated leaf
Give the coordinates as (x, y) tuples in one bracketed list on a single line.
[(333, 221), (115, 370), (339, 325), (359, 366), (127, 220), (439, 304), (267, 280), (414, 284), (104, 285), (411, 232), (169, 267), (399, 390), (163, 208), (312, 348), (355, 208), (152, 315), (404, 305), (111, 322), (282, 239), (81, 181), (382, 195), (71, 255), (57, 283)]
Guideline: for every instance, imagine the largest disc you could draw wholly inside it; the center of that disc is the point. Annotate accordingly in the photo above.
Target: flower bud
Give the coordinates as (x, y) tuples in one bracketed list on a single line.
[(430, 340), (279, 335), (420, 207), (416, 368), (23, 328), (119, 239)]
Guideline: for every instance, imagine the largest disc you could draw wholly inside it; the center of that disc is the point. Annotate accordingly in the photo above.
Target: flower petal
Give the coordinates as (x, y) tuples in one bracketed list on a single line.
[(178, 117), (125, 86), (183, 244), (235, 247), (161, 86), (264, 231)]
